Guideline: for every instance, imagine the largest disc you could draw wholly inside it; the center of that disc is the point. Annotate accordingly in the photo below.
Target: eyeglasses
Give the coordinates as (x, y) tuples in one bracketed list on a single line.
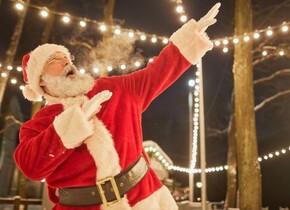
[(59, 59)]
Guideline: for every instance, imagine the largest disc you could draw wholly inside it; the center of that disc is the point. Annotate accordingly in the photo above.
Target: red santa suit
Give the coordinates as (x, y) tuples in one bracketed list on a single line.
[(52, 145)]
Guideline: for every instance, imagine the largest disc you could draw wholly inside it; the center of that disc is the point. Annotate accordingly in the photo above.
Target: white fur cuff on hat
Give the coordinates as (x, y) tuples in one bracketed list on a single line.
[(30, 94)]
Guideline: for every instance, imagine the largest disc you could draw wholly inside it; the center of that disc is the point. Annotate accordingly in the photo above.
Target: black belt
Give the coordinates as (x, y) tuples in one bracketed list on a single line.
[(107, 191)]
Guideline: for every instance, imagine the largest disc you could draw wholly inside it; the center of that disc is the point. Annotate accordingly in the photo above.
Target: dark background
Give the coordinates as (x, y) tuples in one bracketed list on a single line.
[(166, 120)]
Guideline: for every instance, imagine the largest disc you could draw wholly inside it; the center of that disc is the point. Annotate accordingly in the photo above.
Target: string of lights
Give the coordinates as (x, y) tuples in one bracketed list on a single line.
[(180, 10), (195, 88), (270, 31), (95, 71), (170, 167), (66, 18), (223, 43), (273, 50)]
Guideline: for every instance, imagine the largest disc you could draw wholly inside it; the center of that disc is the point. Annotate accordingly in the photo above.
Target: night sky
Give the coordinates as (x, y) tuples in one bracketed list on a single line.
[(166, 120)]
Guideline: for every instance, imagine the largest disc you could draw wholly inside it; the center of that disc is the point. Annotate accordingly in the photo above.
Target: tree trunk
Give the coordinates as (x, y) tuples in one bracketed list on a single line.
[(108, 12), (247, 152), (231, 198), (10, 53)]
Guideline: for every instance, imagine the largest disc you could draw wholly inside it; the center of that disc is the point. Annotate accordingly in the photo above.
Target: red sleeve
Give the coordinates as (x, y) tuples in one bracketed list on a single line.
[(40, 150), (146, 84)]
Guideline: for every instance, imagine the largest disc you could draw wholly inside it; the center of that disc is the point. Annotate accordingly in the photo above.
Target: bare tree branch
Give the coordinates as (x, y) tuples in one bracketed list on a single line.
[(272, 76), (270, 99), (213, 132)]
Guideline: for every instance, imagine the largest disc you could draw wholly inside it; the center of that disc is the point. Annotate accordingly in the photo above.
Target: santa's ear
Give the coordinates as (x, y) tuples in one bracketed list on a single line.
[(42, 83)]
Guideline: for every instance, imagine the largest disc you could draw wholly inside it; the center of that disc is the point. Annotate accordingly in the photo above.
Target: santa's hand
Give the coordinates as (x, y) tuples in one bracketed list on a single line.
[(93, 106), (208, 19)]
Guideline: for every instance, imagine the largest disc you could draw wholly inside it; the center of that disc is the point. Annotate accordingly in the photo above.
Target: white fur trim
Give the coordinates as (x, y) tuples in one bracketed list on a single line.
[(72, 127), (159, 200), (37, 61), (30, 94), (191, 43), (101, 147)]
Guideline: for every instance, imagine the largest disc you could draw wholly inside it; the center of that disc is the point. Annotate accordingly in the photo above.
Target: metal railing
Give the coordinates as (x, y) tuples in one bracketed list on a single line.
[(18, 202)]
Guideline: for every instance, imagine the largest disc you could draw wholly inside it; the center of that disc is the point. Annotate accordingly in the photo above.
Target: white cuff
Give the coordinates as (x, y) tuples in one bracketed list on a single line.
[(72, 127), (191, 43)]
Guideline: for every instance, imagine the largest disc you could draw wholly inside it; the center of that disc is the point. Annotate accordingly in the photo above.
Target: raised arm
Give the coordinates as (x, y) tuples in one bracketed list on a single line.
[(187, 46)]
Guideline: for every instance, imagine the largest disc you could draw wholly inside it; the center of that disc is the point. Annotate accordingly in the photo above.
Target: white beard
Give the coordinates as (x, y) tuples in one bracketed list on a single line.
[(64, 87)]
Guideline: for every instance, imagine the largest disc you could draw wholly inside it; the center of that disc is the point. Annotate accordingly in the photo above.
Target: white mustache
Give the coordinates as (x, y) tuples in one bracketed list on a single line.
[(68, 68)]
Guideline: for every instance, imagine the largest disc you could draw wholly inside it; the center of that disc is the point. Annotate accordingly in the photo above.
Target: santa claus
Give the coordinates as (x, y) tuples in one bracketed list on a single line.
[(87, 140)]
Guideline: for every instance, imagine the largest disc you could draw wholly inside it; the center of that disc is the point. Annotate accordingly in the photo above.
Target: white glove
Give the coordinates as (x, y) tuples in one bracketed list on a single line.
[(93, 106), (208, 19)]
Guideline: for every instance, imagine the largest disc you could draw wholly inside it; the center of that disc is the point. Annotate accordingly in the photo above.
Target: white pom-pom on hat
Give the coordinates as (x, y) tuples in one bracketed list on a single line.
[(33, 64)]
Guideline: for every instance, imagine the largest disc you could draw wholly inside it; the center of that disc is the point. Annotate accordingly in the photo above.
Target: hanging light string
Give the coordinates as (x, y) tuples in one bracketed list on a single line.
[(264, 51), (95, 71), (66, 18), (223, 43), (226, 42), (170, 167), (194, 88), (180, 10)]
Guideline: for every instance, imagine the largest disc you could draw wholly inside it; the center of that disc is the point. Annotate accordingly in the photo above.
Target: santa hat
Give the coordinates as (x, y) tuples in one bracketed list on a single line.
[(32, 68)]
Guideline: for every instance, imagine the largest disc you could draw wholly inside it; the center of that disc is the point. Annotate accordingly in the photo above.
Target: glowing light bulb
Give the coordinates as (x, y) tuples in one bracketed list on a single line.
[(217, 43), (131, 34), (66, 19), (117, 31), (183, 18), (83, 23), (235, 40), (225, 42), (96, 70), (4, 74), (123, 66), (21, 87), (110, 68), (179, 9), (285, 27), (19, 68), (225, 49), (154, 39), (137, 64), (264, 53), (13, 81), (256, 35), (191, 82), (165, 40), (82, 71), (9, 68), (143, 37), (44, 13), (103, 27), (19, 6), (269, 32), (246, 38), (281, 52)]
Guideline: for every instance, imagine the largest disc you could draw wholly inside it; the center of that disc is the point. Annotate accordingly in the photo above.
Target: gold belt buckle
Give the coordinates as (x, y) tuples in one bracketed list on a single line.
[(114, 188)]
